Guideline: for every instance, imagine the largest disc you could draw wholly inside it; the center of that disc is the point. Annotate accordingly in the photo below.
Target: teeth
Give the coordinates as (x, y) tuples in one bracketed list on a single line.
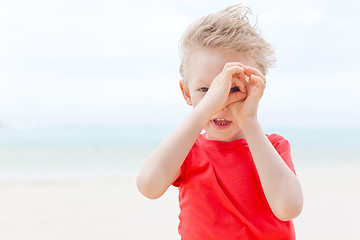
[(221, 121)]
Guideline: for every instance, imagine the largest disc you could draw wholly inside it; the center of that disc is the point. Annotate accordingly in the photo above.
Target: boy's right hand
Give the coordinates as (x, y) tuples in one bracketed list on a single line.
[(219, 95)]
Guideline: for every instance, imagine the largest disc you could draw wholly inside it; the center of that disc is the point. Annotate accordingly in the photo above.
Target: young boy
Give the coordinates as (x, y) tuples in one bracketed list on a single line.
[(235, 182)]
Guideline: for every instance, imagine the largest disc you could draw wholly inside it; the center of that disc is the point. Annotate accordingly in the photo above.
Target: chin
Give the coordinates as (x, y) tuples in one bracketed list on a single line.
[(223, 137)]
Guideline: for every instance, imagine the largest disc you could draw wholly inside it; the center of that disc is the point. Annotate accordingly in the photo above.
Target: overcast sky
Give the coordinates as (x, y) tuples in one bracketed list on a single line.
[(115, 62)]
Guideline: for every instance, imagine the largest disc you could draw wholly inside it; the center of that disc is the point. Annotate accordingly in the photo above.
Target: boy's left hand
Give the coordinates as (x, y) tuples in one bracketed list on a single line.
[(247, 109)]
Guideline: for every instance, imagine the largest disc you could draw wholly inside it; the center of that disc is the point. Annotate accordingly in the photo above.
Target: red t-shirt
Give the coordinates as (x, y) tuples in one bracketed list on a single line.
[(220, 193)]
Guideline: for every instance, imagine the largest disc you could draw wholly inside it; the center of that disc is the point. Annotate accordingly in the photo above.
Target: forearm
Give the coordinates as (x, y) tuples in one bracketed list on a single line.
[(163, 165), (281, 186)]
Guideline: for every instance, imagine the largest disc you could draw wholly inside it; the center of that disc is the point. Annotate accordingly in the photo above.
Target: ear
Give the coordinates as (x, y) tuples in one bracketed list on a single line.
[(185, 92)]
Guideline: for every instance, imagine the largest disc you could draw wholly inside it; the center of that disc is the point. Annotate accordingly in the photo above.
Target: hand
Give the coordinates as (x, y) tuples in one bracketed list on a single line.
[(247, 108), (228, 87)]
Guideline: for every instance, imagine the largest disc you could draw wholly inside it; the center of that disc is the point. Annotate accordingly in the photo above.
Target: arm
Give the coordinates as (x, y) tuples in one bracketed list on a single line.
[(281, 186), (162, 167)]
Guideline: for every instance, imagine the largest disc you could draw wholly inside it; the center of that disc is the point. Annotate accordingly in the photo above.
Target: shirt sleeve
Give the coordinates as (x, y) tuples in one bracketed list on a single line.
[(282, 146), (180, 179)]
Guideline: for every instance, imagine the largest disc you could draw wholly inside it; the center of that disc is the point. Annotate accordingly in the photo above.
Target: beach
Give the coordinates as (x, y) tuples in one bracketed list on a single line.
[(84, 209), (55, 185), (114, 209), (331, 207)]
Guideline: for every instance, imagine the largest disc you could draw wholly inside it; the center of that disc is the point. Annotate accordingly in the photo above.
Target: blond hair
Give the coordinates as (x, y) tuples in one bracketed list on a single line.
[(228, 29)]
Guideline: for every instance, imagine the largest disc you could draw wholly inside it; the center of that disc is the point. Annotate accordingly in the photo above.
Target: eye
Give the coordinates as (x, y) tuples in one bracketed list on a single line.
[(235, 89), (203, 89)]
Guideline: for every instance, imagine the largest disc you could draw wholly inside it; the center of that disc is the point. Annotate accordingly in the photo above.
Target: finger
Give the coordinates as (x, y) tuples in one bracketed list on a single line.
[(233, 70), (242, 87), (258, 80), (238, 78), (235, 97), (231, 64), (241, 74), (250, 70), (240, 83), (257, 85)]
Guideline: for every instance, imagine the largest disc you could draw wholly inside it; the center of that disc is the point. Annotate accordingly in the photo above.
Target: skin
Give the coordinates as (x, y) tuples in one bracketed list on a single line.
[(211, 79)]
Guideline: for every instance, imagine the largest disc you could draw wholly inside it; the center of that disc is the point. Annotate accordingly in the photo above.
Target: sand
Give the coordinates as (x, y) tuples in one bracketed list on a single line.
[(113, 209), (84, 209), (331, 208)]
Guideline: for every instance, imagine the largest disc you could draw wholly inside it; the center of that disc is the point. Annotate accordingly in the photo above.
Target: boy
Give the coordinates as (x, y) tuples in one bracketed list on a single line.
[(235, 182)]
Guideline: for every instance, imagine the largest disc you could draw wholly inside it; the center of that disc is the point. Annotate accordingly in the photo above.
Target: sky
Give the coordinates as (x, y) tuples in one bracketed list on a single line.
[(115, 63)]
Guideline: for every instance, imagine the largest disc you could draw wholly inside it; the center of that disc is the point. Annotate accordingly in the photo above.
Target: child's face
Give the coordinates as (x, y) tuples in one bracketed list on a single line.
[(203, 67)]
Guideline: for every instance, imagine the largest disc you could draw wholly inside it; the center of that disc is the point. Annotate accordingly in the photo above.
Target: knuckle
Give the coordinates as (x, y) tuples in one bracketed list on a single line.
[(228, 64), (229, 70)]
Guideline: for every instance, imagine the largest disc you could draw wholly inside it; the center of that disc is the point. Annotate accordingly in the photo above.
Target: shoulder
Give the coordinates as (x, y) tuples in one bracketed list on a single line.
[(282, 146), (280, 143), (194, 160), (277, 139)]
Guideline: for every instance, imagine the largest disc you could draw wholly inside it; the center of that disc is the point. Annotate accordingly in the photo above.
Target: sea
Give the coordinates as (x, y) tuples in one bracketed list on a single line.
[(73, 152)]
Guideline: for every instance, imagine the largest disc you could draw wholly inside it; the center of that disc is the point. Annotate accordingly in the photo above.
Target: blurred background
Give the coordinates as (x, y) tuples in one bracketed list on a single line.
[(115, 63), (89, 88)]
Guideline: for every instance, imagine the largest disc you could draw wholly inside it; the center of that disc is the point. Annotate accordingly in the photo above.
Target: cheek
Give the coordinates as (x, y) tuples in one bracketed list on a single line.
[(196, 98)]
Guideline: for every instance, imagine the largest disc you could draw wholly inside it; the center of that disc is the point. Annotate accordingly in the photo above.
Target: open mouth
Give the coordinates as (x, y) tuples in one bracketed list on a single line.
[(220, 123)]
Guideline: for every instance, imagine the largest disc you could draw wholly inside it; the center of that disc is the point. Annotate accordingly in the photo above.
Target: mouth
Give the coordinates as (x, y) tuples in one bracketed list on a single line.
[(220, 123)]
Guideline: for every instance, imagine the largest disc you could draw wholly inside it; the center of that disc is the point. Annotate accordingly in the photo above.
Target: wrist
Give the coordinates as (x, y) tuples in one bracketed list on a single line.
[(205, 108), (203, 112), (249, 124)]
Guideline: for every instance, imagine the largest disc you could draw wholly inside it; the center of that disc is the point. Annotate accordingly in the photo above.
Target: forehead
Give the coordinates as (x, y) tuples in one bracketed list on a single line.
[(204, 65)]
